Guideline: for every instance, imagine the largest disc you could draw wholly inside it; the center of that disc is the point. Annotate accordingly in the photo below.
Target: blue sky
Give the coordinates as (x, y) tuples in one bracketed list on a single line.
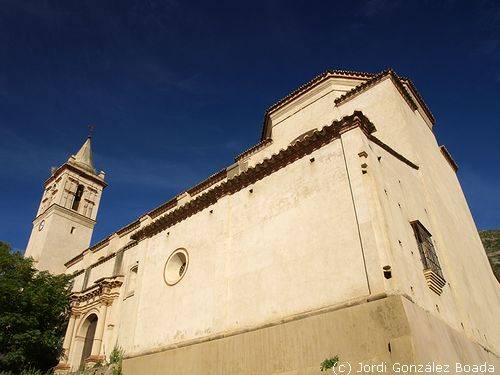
[(176, 89)]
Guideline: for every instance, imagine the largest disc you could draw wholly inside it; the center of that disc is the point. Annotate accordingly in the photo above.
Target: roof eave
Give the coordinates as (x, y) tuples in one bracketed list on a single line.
[(355, 75)]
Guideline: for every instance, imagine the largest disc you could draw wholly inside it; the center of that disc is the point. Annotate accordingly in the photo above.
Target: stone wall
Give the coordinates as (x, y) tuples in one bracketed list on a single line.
[(390, 330)]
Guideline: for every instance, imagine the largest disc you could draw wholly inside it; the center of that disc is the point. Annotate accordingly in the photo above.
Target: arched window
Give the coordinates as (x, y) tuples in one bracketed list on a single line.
[(132, 279), (78, 197)]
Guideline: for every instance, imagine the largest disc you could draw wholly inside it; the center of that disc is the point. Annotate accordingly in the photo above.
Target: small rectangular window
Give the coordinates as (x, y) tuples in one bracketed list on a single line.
[(72, 230), (432, 268)]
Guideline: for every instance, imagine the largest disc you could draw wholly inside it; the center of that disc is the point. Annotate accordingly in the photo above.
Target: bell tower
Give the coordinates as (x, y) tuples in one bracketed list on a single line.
[(67, 213)]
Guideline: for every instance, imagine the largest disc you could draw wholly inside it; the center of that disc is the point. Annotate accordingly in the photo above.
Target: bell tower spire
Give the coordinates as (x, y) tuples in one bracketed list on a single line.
[(83, 157), (67, 213)]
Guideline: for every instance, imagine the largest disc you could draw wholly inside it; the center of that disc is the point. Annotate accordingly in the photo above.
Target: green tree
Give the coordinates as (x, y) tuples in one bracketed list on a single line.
[(34, 308)]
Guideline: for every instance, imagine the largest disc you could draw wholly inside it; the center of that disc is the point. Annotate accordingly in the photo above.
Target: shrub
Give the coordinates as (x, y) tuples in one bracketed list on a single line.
[(115, 358), (329, 363)]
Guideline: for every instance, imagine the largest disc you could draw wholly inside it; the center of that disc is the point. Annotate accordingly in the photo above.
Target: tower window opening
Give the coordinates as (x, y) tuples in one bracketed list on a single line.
[(78, 198), (72, 230)]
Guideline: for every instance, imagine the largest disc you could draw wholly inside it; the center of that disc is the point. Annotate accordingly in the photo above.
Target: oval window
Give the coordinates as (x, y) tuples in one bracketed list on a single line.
[(176, 266)]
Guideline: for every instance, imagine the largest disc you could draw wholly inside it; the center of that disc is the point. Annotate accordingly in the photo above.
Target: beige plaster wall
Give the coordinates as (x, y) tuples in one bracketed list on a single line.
[(122, 316), (53, 244), (259, 256)]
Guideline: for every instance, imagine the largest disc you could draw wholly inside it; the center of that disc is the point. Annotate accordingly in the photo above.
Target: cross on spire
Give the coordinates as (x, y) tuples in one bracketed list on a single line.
[(91, 130)]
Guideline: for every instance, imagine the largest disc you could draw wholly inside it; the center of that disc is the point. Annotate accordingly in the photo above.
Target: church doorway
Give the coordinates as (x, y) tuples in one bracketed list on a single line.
[(89, 327)]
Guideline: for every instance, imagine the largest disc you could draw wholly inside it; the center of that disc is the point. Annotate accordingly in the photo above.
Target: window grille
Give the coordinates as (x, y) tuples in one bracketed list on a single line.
[(428, 254), (432, 269)]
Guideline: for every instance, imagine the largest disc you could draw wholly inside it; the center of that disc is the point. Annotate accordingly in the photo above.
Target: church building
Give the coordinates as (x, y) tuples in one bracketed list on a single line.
[(343, 232)]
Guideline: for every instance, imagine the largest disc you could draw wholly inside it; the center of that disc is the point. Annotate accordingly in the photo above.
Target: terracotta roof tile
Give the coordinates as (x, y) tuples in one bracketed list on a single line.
[(355, 75), (269, 165), (306, 86), (372, 82), (254, 148)]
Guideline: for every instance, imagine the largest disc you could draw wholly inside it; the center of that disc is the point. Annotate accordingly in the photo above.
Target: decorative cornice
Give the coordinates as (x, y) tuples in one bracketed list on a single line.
[(448, 158), (130, 245), (307, 86), (372, 82), (213, 179), (128, 228), (75, 169), (104, 242), (398, 81), (320, 77), (162, 208), (74, 260), (103, 290), (78, 273), (103, 260), (252, 150), (268, 166), (72, 213), (98, 246)]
